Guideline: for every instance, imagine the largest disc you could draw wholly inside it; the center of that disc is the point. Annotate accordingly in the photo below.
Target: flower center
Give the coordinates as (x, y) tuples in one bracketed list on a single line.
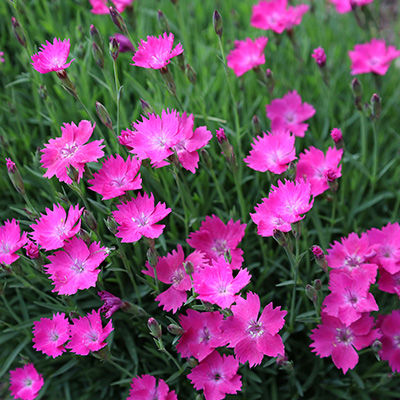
[(396, 341), (92, 336), (28, 382), (78, 266), (141, 220), (352, 261), (118, 182), (290, 117), (205, 335), (344, 336), (69, 150), (54, 336), (178, 276), (4, 247), (219, 247), (255, 329)]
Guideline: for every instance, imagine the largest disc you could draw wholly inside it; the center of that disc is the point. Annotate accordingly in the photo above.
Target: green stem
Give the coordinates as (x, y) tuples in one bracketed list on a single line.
[(218, 187), (294, 263), (375, 155), (122, 369), (130, 273)]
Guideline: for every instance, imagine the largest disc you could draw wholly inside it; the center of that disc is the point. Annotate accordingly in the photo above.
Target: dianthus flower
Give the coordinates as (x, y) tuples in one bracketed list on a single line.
[(246, 55), (289, 113), (54, 227), (52, 57), (70, 150), (336, 135), (319, 56), (202, 334), (11, 240), (138, 217), (32, 251), (111, 303), (216, 240), (217, 285), (146, 387), (25, 382), (283, 207), (372, 57), (171, 270), (276, 15), (389, 283), (390, 327), (76, 266), (345, 6), (101, 7), (217, 376), (156, 52), (88, 334), (271, 153), (315, 167), (50, 334), (350, 297), (253, 336), (116, 177), (334, 338)]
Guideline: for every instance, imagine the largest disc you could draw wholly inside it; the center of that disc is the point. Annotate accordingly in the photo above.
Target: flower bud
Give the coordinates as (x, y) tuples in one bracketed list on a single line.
[(118, 20), (90, 220), (32, 251), (15, 176), (269, 77), (319, 56), (320, 257), (318, 284), (152, 256), (154, 328), (43, 92), (189, 267), (175, 329), (111, 303), (227, 149), (311, 293), (357, 92), (162, 20), (217, 22), (111, 224), (376, 348), (18, 31), (376, 105), (255, 122), (98, 55), (191, 74), (206, 158), (192, 362), (96, 37), (125, 45), (337, 136), (73, 173), (168, 80), (146, 107), (67, 84), (114, 48), (103, 115), (85, 236), (181, 61)]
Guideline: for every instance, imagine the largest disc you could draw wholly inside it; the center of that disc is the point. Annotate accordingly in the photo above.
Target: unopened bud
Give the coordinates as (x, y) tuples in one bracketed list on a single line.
[(311, 293), (111, 224), (191, 74), (32, 251), (146, 107), (280, 237), (192, 362), (376, 348), (269, 77), (98, 55), (90, 220), (376, 105), (255, 122), (205, 156), (332, 177), (84, 235), (118, 20), (162, 20), (217, 22), (168, 80), (152, 256), (15, 176), (318, 284), (154, 328), (96, 37), (73, 173), (43, 92), (18, 31), (175, 329), (337, 136), (291, 170), (103, 115), (320, 257), (114, 48), (357, 92), (67, 84), (181, 61), (189, 267)]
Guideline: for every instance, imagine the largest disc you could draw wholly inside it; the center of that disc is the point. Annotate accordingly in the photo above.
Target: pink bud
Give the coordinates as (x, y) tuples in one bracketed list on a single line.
[(32, 251), (319, 56), (336, 135)]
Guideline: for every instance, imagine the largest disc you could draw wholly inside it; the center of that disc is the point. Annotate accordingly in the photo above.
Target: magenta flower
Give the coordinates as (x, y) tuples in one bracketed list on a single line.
[(289, 113), (11, 167), (50, 335), (54, 227), (271, 153), (373, 57), (156, 53), (101, 7), (217, 376), (350, 297), (283, 207), (25, 382), (337, 135), (334, 338), (217, 285), (116, 177), (345, 6), (216, 240), (88, 334), (253, 336), (171, 270), (202, 334), (276, 15), (390, 327), (315, 167), (11, 241), (319, 56), (76, 266), (389, 283), (52, 57), (147, 387), (70, 150), (111, 303), (247, 54), (32, 251), (138, 218)]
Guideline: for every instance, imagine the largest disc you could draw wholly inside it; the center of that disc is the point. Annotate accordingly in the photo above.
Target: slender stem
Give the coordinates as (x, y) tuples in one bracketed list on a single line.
[(294, 262), (375, 154), (169, 355), (131, 276), (218, 187), (116, 365)]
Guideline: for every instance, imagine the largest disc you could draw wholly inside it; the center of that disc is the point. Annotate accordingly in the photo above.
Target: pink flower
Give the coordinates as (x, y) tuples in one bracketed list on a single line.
[(334, 338), (216, 240), (53, 228), (390, 327), (52, 57), (247, 54), (350, 297), (271, 153), (315, 167), (276, 15), (11, 240), (111, 303), (156, 53), (25, 382), (88, 334), (49, 335), (32, 251), (70, 150), (202, 334), (289, 113), (101, 7), (138, 218), (373, 57), (217, 376), (336, 135), (171, 270), (11, 167), (116, 177), (217, 285), (147, 388), (319, 56), (220, 133), (345, 6), (75, 268), (283, 207), (389, 283), (253, 336)]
